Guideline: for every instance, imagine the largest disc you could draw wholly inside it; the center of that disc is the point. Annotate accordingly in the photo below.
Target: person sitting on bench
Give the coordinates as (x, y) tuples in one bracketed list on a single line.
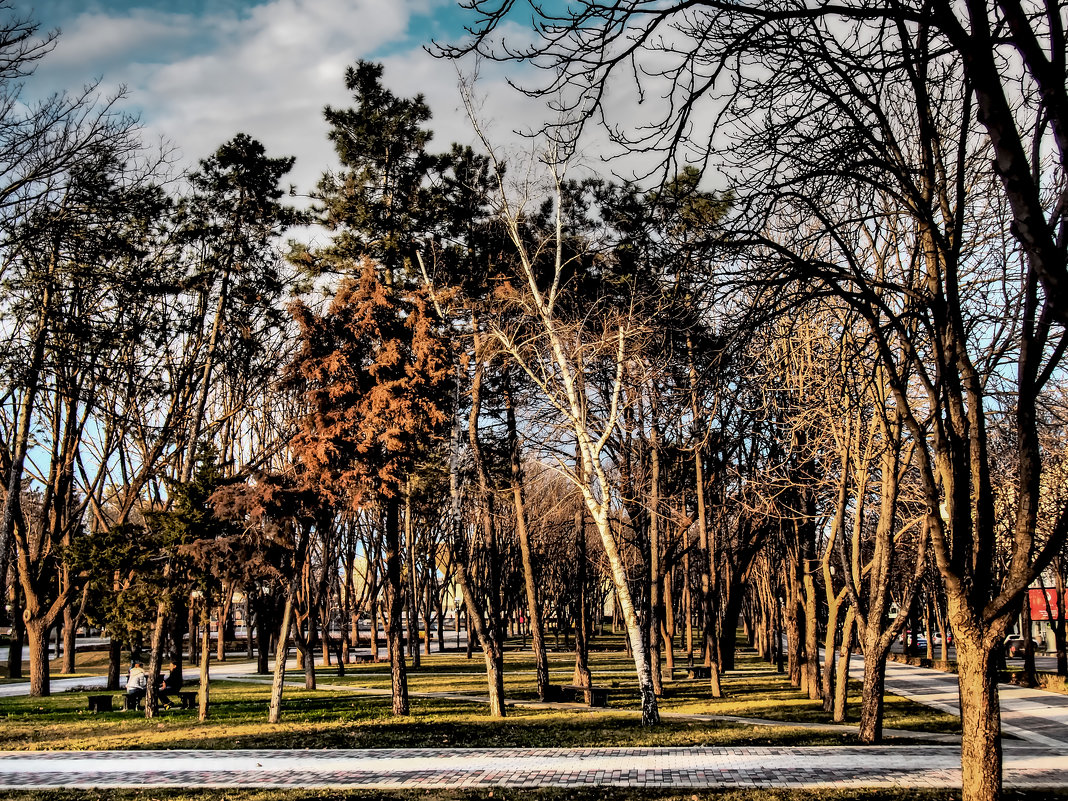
[(136, 682), (170, 684)]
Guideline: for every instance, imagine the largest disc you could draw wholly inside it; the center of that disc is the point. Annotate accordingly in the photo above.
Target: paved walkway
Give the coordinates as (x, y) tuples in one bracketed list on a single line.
[(1035, 716), (923, 766), (1037, 759), (219, 670)]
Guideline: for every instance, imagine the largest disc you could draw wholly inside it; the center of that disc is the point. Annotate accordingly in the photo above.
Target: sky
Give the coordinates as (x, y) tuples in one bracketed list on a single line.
[(197, 72)]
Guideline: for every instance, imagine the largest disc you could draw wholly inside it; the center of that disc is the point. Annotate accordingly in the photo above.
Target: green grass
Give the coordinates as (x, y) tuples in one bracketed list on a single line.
[(753, 690), (343, 718)]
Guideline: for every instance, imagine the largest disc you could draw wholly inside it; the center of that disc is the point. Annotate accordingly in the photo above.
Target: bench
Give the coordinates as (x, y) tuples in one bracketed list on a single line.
[(100, 703), (699, 672), (188, 699), (573, 693), (132, 701)]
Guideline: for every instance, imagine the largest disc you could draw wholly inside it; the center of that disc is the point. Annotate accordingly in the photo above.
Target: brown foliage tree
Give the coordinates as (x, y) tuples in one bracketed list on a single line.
[(376, 377)]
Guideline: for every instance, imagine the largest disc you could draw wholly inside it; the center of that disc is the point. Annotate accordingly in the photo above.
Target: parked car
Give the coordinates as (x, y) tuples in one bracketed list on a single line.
[(1014, 645)]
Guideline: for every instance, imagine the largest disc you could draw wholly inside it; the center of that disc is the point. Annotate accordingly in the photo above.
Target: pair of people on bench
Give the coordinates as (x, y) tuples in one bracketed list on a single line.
[(137, 683)]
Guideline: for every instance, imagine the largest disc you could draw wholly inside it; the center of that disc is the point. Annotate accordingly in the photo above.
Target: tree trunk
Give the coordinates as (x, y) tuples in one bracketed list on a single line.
[(1059, 624), (114, 663), (375, 643), (263, 635), (871, 699), (205, 661), (779, 635), (156, 656), (70, 631), (1029, 678), (687, 603), (179, 616), (845, 652), (413, 616), (395, 634), (928, 619), (17, 637), (274, 715), (226, 603), (793, 625), (812, 648), (732, 608), (37, 634), (830, 655), (668, 633), (581, 676), (541, 659), (656, 602), (650, 709), (980, 748), (940, 621)]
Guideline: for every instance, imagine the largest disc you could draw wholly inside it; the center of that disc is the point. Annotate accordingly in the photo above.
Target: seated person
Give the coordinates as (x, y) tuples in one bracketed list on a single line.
[(136, 682), (169, 684)]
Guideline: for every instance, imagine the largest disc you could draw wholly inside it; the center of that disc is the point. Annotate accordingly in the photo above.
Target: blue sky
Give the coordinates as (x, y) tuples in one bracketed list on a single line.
[(199, 71)]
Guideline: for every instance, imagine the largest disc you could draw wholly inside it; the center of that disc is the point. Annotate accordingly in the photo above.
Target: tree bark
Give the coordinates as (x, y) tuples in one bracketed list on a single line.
[(980, 723), (395, 634), (835, 604), (1030, 677), (845, 653), (581, 676), (70, 631), (871, 700), (281, 652), (541, 659), (1059, 624), (205, 660), (226, 602), (17, 637), (656, 601), (812, 652), (114, 663), (37, 634)]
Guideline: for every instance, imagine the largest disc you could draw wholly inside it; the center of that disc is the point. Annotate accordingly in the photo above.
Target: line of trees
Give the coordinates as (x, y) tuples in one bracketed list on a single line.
[(836, 388)]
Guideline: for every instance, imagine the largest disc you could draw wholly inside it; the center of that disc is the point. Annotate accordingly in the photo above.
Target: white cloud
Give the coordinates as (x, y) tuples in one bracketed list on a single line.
[(270, 69)]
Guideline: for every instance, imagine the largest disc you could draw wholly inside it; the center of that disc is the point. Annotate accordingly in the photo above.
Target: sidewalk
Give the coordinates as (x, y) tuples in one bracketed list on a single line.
[(424, 768), (1035, 716), (219, 670)]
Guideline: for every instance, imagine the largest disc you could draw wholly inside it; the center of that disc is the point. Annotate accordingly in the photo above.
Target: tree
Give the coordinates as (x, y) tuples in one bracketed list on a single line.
[(42, 144), (376, 378), (75, 282), (227, 228), (555, 352), (858, 123), (376, 203)]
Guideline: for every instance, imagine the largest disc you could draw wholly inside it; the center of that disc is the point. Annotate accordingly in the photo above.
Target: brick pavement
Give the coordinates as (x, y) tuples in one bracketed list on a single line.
[(748, 767), (1036, 716)]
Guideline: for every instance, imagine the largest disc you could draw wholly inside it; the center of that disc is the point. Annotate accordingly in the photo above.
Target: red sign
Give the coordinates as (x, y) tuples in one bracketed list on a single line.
[(1039, 609)]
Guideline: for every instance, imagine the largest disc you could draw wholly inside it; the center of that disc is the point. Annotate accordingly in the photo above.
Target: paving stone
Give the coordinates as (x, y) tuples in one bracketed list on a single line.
[(931, 766)]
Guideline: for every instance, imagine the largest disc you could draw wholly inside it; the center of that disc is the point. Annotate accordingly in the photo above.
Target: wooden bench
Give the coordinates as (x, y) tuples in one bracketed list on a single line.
[(572, 693), (132, 701), (100, 703), (699, 672), (188, 700)]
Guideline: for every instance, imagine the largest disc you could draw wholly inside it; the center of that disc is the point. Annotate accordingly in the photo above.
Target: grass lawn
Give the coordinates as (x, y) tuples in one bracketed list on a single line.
[(337, 716)]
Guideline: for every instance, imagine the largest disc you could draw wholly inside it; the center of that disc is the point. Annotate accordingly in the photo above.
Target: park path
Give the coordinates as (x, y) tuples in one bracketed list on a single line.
[(219, 670), (1035, 716), (426, 768), (1035, 757)]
